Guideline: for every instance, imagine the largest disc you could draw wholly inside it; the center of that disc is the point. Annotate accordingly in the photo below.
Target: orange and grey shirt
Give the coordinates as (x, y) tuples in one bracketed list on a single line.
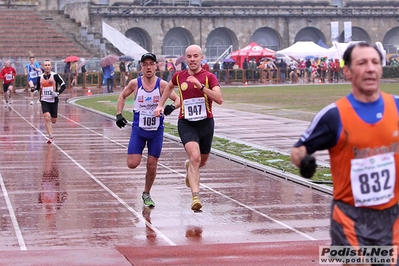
[(47, 83), (363, 140)]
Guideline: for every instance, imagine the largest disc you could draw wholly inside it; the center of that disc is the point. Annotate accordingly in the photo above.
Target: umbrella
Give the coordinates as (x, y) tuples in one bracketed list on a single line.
[(394, 56), (82, 62), (109, 60), (71, 58), (127, 58), (309, 57), (228, 60), (181, 59)]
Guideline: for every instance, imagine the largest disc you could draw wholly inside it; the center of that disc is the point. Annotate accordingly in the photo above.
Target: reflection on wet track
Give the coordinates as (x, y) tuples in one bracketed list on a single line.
[(79, 193)]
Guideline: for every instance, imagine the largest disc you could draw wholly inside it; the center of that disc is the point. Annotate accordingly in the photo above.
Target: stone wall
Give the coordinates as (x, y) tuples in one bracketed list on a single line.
[(199, 22)]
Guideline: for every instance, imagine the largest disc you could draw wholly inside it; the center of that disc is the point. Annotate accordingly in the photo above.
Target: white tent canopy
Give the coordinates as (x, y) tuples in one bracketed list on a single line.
[(340, 49), (125, 45), (302, 49)]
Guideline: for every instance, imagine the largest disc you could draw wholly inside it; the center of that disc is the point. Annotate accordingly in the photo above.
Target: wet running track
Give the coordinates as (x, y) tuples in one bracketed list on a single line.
[(75, 202)]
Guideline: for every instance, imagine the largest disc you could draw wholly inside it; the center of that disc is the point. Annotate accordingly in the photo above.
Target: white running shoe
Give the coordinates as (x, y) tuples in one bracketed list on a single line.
[(31, 102)]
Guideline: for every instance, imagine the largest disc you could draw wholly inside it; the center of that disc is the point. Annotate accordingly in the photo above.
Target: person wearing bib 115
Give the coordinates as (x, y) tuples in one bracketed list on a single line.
[(198, 90), (361, 133), (47, 85), (32, 71), (146, 128)]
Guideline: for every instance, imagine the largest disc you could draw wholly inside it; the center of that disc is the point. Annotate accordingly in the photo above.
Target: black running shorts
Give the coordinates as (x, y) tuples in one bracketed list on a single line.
[(199, 131), (51, 108)]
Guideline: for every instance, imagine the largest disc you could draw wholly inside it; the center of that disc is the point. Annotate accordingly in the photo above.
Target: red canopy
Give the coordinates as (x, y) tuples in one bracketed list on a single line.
[(253, 50)]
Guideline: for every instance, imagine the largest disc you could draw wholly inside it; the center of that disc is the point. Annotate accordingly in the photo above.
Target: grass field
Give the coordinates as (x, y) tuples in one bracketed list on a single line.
[(294, 101)]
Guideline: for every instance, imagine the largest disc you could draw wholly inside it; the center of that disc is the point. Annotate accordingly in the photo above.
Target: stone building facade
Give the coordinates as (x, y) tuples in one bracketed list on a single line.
[(167, 27)]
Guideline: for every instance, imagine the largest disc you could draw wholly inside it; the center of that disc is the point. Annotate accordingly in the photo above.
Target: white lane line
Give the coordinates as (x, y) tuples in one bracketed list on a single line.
[(260, 213), (209, 188), (14, 221), (139, 216)]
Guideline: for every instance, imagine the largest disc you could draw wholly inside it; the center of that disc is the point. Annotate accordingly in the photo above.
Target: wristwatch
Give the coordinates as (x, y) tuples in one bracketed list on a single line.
[(202, 87)]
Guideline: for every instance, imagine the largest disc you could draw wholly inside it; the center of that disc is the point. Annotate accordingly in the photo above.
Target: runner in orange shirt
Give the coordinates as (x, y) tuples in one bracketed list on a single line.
[(361, 133)]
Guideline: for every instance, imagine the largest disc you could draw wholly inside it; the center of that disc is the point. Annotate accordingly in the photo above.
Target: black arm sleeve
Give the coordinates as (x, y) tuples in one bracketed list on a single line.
[(60, 82), (322, 133), (37, 83)]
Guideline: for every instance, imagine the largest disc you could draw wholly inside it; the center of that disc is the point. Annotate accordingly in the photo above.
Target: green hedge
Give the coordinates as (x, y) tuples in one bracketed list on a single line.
[(390, 72)]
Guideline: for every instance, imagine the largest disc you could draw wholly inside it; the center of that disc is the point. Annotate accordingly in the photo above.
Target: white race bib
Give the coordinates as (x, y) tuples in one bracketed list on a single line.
[(148, 121), (47, 94), (33, 74), (8, 77), (373, 179), (194, 109)]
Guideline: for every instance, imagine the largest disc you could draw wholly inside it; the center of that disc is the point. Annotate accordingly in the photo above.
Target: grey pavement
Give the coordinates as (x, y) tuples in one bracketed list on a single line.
[(258, 130)]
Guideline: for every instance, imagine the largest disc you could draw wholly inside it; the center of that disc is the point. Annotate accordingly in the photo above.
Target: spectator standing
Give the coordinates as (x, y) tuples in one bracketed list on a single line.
[(108, 73), (67, 73), (245, 67), (308, 69), (323, 69), (283, 68), (205, 66), (171, 69), (84, 74), (293, 76), (74, 73), (302, 69), (253, 69), (122, 69), (216, 69)]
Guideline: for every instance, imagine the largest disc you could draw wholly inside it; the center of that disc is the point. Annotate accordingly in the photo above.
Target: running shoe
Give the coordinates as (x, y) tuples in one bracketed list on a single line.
[(147, 200), (6, 105), (186, 164), (31, 102), (196, 203), (50, 140)]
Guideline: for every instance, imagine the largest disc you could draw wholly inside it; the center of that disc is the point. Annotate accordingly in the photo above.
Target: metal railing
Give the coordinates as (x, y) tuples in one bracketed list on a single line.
[(164, 2)]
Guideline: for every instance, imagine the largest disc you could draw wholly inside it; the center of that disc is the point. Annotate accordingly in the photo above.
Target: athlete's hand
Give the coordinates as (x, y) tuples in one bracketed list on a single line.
[(158, 111), (169, 109), (55, 94), (120, 121), (308, 166)]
